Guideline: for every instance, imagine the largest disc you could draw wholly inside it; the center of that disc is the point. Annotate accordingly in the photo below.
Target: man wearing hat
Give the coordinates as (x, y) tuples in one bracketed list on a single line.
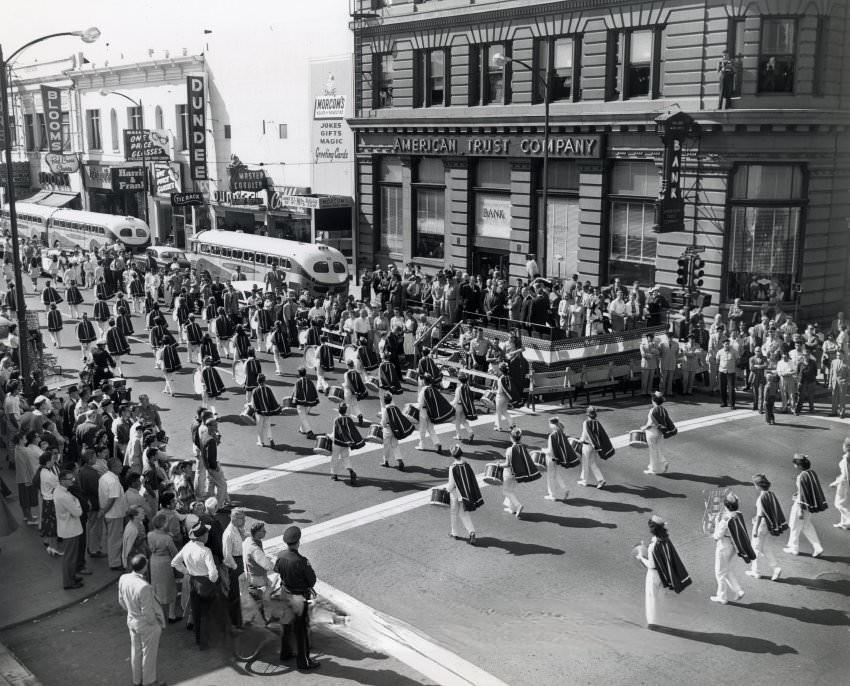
[(731, 536), (209, 455), (196, 561), (298, 579), (808, 499), (768, 522), (595, 442)]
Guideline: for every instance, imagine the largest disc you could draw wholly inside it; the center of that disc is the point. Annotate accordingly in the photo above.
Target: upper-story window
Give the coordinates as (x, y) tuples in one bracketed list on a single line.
[(383, 66), (134, 118), (777, 55), (29, 131), (430, 78), (557, 62), (93, 129), (735, 48), (66, 131), (42, 132), (489, 76), (635, 63), (113, 126), (182, 115)]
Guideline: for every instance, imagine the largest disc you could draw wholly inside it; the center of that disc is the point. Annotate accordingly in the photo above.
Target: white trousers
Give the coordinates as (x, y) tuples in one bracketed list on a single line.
[(169, 380), (321, 382), (503, 420), (801, 523), (666, 384), (647, 376), (427, 432), (390, 447), (589, 464), (354, 409), (654, 596), (458, 513), (86, 350), (763, 546), (264, 427), (340, 459), (144, 647), (462, 428), (657, 463), (277, 362), (509, 491), (724, 555), (193, 353), (304, 423), (555, 478)]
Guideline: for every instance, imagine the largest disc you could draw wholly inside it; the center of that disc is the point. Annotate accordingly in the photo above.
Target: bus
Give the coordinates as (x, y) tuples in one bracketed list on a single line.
[(60, 228), (315, 268)]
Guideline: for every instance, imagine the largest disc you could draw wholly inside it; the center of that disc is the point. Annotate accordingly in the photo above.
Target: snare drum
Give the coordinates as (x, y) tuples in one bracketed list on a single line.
[(349, 354), (336, 394), (489, 398), (288, 405), (538, 457), (376, 434), (440, 496), (411, 376), (302, 337), (447, 381), (198, 380), (324, 445), (412, 412), (239, 375), (311, 356), (576, 445), (493, 473), (372, 384), (637, 439)]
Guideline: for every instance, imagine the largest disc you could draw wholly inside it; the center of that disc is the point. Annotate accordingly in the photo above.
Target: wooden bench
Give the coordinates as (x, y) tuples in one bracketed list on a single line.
[(603, 379), (546, 383)]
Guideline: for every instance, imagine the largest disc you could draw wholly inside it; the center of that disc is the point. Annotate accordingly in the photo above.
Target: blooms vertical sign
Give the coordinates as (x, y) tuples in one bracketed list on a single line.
[(196, 99), (52, 101)]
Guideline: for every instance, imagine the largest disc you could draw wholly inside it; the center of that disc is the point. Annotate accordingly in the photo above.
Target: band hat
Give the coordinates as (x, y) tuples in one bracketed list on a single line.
[(730, 498), (457, 451), (655, 519), (292, 535), (761, 480), (40, 399), (801, 460), (590, 411), (198, 531)]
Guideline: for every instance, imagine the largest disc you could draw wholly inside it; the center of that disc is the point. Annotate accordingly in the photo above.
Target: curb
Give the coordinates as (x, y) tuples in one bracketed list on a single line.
[(53, 610), (13, 672)]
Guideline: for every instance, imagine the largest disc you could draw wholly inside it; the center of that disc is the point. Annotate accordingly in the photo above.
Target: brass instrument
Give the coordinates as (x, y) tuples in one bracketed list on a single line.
[(713, 508)]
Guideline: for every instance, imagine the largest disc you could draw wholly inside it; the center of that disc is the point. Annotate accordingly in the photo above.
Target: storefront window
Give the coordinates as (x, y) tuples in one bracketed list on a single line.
[(493, 199), (391, 232), (562, 227), (632, 243), (764, 239), (430, 207)]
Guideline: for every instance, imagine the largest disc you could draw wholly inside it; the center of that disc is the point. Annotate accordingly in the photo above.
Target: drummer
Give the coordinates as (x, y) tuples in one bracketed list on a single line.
[(464, 405), (433, 409), (504, 393), (221, 332), (519, 468), (194, 336), (265, 406), (345, 437), (280, 345), (388, 377), (240, 344), (54, 325), (428, 366), (208, 349), (325, 363), (560, 456), (464, 495), (595, 443), (314, 333), (395, 427), (101, 314), (74, 298), (367, 360), (212, 385), (656, 423), (305, 396), (156, 336), (170, 362), (355, 391), (252, 373), (117, 345), (86, 336)]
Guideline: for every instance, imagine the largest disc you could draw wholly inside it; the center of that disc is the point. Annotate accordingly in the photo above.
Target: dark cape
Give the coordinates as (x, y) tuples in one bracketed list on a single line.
[(241, 343), (661, 417), (212, 382), (74, 296), (101, 311), (367, 358), (388, 378), (326, 357), (280, 340), (125, 324), (773, 514), (305, 392), (85, 331), (740, 538), (116, 344), (54, 320), (669, 566), (193, 333), (264, 401), (438, 408), (170, 357), (50, 295), (428, 366), (467, 402), (562, 452), (522, 465), (252, 371), (599, 438), (210, 349), (346, 433), (810, 492), (400, 425), (467, 486), (355, 380)]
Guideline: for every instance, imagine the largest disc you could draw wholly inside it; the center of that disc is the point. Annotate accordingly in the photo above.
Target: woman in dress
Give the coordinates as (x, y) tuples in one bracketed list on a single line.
[(27, 455), (842, 488), (162, 551), (135, 541), (48, 478), (664, 569)]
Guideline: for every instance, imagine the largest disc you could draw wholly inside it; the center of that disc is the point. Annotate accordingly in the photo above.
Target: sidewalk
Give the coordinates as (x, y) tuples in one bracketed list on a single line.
[(13, 672)]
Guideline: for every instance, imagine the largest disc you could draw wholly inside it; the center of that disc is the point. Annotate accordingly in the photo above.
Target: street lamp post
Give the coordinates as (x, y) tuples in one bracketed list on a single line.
[(500, 60), (89, 35), (144, 150)]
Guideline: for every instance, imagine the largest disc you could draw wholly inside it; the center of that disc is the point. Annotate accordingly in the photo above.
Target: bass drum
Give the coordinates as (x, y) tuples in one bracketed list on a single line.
[(349, 354), (311, 357), (269, 341), (302, 337), (198, 380), (239, 375)]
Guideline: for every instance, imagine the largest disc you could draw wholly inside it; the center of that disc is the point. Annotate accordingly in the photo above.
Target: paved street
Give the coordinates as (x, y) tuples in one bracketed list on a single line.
[(553, 598)]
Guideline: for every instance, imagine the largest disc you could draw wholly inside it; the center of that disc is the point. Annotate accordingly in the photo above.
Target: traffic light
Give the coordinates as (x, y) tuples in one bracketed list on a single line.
[(697, 272), (683, 270)]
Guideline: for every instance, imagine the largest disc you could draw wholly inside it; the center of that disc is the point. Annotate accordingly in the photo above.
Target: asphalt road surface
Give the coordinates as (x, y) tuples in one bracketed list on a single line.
[(555, 597)]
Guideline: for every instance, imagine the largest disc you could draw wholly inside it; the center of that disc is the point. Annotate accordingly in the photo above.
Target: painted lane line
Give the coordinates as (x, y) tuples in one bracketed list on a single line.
[(398, 639)]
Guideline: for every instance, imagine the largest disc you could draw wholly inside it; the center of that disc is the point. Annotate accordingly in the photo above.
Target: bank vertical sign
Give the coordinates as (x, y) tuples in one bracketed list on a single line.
[(52, 100), (197, 128)]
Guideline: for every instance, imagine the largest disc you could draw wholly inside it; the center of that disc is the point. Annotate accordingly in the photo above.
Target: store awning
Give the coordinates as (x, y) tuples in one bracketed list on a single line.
[(37, 198), (58, 199)]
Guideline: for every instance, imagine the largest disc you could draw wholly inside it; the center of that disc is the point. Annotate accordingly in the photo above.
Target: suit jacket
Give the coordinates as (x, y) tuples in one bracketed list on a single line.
[(209, 452), (539, 310)]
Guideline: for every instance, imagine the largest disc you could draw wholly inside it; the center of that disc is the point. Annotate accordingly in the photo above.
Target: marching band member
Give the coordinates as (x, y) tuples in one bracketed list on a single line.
[(117, 345), (221, 332), (124, 322), (504, 394), (265, 316), (464, 495), (595, 443), (428, 366), (325, 364), (518, 468), (305, 396), (210, 311), (314, 333), (85, 335), (101, 290), (252, 372), (396, 426), (136, 290), (157, 333), (180, 315), (209, 349), (808, 499), (194, 337), (842, 487), (464, 406), (388, 377), (658, 423), (54, 325), (768, 521), (101, 315), (355, 391), (118, 304), (74, 298), (367, 360), (152, 315), (240, 344), (560, 455), (280, 345), (433, 409), (345, 437), (265, 406), (50, 296), (664, 569), (213, 385), (730, 532), (170, 361)]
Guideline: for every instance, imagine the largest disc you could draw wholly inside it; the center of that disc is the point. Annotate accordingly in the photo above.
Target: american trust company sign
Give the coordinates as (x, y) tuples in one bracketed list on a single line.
[(560, 146)]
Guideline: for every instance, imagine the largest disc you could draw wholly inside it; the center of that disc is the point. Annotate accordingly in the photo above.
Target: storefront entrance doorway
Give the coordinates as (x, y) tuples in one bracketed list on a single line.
[(484, 261)]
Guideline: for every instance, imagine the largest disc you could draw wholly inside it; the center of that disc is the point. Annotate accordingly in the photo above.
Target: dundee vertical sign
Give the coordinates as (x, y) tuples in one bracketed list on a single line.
[(197, 128)]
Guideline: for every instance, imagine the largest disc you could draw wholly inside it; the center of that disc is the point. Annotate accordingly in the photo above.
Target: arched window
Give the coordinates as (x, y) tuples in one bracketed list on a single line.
[(113, 124), (158, 117)]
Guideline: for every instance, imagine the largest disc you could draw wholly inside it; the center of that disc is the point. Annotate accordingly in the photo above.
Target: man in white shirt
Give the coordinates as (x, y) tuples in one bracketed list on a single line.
[(69, 528), (231, 544), (196, 560), (617, 312), (668, 350), (361, 325), (145, 620), (113, 507)]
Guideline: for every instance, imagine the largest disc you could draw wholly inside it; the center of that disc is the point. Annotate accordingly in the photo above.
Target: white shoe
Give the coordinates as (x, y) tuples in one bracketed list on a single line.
[(791, 551), (818, 552), (600, 484), (740, 595), (549, 497), (649, 471), (666, 467), (753, 574), (508, 510), (582, 482), (518, 512), (776, 572), (718, 599)]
